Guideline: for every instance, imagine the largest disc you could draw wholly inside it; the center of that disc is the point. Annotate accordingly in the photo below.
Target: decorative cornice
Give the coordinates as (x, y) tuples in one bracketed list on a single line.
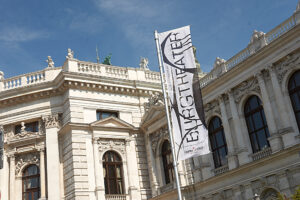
[(27, 159), (244, 88), (157, 136), (111, 144)]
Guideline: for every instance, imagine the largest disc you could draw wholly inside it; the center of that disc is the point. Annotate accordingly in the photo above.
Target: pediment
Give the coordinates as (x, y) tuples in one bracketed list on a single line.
[(153, 114), (112, 122)]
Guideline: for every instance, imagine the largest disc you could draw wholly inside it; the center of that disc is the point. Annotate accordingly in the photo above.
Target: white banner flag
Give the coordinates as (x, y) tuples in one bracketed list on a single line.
[(188, 123)]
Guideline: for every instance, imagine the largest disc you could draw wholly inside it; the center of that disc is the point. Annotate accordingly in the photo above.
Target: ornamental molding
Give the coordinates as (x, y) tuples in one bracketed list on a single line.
[(154, 100), (211, 108), (157, 136), (287, 65), (112, 144), (244, 88), (51, 121), (26, 159)]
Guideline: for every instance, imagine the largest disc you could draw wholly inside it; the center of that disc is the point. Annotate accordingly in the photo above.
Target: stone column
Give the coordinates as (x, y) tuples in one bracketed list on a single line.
[(285, 128), (151, 167), (42, 174), (248, 191), (232, 159), (53, 178), (100, 194), (242, 148), (12, 177), (133, 176), (275, 139)]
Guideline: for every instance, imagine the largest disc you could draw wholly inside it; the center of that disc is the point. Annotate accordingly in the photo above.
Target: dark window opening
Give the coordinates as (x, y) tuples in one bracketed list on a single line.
[(29, 127), (167, 159), (105, 114), (256, 124), (294, 91), (217, 142), (31, 183), (113, 173)]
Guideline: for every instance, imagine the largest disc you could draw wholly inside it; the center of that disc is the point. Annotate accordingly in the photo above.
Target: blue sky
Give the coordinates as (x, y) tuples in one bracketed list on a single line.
[(33, 29)]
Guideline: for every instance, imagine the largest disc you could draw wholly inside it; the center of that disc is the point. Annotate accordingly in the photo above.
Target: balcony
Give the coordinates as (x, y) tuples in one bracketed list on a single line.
[(262, 154)]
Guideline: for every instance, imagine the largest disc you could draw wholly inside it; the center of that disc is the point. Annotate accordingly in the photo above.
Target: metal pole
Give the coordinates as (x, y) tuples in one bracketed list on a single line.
[(168, 115)]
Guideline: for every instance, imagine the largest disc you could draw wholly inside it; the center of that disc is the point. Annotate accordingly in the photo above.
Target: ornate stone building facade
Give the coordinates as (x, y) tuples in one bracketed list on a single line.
[(94, 131)]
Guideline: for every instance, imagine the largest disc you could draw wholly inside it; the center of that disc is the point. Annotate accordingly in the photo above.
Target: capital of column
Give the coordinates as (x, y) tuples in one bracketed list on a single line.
[(51, 121), (259, 76), (220, 98), (271, 68)]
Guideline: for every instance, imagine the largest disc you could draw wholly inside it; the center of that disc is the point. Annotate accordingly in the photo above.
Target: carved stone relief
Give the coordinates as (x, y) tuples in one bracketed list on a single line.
[(51, 121), (154, 100), (26, 159), (244, 88), (212, 107), (110, 144), (286, 65), (155, 137)]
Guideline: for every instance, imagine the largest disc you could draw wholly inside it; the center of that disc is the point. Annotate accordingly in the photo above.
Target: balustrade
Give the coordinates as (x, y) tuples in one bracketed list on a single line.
[(262, 154), (116, 197)]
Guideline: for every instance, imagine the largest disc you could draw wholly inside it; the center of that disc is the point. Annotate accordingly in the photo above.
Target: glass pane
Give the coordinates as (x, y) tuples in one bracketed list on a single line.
[(296, 101), (112, 187), (223, 154), (104, 171), (253, 102), (262, 139), (30, 196), (25, 196), (249, 124), (111, 171), (106, 186), (36, 195), (118, 170), (28, 185), (297, 78), (219, 136), (216, 159), (120, 188), (258, 123), (24, 185), (34, 182), (32, 170), (254, 143), (216, 123), (213, 141)]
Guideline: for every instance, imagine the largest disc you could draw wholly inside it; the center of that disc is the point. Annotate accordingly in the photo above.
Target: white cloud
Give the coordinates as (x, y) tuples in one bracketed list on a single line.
[(19, 34)]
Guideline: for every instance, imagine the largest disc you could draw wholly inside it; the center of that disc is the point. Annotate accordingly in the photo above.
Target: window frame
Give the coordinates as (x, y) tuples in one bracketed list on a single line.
[(250, 115), (294, 91), (25, 178), (168, 167), (213, 140), (113, 180), (99, 114), (34, 124)]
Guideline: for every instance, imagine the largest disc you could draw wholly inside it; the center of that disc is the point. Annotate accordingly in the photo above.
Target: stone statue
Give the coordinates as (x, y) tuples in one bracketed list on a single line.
[(22, 127), (144, 63), (196, 60), (1, 76), (50, 62), (107, 60), (70, 54)]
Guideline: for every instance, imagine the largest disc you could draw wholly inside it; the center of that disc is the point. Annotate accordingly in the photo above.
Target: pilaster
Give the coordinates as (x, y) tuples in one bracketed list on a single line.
[(232, 159), (274, 139), (100, 191), (242, 150), (133, 176), (42, 174), (12, 177), (52, 153), (285, 128)]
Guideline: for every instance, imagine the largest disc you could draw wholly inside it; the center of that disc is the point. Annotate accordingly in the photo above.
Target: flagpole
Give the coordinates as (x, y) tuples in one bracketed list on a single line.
[(168, 115)]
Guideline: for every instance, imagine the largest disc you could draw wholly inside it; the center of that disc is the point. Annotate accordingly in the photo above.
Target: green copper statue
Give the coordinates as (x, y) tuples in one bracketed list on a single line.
[(107, 60)]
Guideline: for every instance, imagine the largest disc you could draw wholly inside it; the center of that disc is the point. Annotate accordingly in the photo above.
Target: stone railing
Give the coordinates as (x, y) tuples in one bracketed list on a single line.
[(117, 72), (245, 53), (221, 170), (262, 154), (152, 76), (89, 67), (29, 79), (116, 197)]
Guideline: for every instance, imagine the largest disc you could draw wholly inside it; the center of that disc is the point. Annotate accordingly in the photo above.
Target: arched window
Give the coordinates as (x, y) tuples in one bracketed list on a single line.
[(113, 173), (167, 159), (256, 124), (217, 142), (294, 91), (31, 183)]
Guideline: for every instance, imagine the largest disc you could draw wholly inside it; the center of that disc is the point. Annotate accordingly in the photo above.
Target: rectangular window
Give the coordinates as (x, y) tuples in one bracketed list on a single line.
[(105, 114), (29, 127)]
